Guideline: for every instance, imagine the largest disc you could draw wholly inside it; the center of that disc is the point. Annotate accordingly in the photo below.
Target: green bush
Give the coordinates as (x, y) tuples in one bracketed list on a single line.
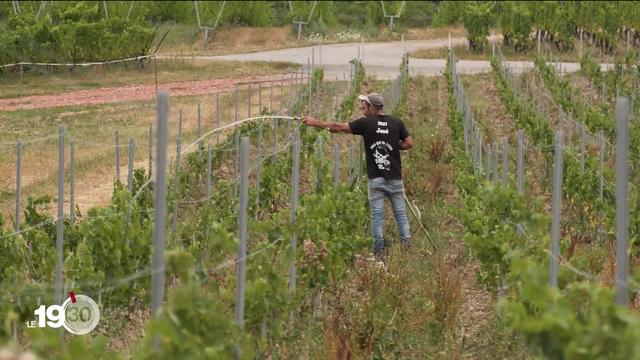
[(353, 14), (247, 13), (418, 14), (476, 17), (24, 35), (516, 23), (75, 33), (173, 11)]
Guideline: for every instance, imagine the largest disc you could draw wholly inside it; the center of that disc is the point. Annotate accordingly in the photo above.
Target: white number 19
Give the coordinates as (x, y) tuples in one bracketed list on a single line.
[(54, 315)]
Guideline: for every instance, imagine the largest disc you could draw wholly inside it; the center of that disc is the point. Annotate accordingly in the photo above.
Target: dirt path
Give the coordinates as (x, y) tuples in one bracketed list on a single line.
[(128, 93), (488, 107), (476, 306)]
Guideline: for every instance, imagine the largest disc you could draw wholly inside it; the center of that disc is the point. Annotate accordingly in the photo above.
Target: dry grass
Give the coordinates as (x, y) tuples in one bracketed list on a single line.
[(230, 40), (446, 293), (438, 181), (487, 106), (374, 304), (248, 39), (40, 82), (437, 149), (93, 127), (431, 33), (428, 33)]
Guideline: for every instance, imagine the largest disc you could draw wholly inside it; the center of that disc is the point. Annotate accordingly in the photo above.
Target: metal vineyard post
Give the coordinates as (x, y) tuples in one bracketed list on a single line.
[(555, 211), (622, 200), (176, 188), (336, 164), (130, 165), (242, 232), (495, 161), (505, 161), (117, 155), (294, 206), (208, 179), (520, 171), (160, 205), (601, 144), (582, 147), (18, 186), (319, 155), (150, 150), (249, 100), (60, 220), (72, 181), (217, 118)]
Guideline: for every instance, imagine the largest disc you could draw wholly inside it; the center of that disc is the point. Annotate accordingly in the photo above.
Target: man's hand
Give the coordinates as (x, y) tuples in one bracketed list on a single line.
[(309, 121), (406, 144)]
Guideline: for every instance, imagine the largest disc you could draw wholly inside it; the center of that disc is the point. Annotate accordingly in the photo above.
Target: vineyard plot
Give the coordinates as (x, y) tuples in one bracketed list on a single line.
[(200, 241)]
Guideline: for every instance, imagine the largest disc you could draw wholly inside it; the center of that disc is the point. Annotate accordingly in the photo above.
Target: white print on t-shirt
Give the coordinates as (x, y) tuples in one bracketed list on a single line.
[(381, 151), (382, 131)]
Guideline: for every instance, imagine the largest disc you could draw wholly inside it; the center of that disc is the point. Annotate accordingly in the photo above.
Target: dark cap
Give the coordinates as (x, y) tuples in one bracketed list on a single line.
[(372, 99)]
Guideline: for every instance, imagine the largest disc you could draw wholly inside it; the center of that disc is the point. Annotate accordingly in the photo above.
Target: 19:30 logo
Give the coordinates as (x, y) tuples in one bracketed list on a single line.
[(79, 315)]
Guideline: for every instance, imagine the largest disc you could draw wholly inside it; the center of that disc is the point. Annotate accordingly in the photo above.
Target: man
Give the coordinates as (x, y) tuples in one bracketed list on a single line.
[(384, 136)]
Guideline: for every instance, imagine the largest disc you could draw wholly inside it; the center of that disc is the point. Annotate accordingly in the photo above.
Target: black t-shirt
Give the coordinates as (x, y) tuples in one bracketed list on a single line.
[(382, 135)]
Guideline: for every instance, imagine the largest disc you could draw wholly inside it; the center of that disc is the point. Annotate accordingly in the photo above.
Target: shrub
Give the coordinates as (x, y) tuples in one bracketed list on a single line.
[(77, 33)]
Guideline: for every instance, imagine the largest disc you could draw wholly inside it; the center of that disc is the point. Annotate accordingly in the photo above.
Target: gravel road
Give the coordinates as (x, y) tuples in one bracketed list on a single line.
[(381, 59)]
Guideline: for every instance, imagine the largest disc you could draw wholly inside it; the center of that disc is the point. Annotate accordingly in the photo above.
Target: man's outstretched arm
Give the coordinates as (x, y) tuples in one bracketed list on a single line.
[(331, 126)]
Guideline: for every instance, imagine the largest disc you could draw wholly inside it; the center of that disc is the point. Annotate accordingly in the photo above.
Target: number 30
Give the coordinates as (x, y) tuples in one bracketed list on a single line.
[(83, 314)]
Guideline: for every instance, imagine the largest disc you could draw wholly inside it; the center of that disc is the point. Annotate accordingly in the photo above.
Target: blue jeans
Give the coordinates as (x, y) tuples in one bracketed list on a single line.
[(379, 188)]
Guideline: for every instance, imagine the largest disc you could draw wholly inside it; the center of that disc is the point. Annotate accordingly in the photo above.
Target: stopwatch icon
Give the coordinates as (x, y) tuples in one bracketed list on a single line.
[(80, 316)]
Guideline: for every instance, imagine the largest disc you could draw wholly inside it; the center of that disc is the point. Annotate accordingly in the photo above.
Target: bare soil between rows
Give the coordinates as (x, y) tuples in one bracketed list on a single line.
[(134, 92)]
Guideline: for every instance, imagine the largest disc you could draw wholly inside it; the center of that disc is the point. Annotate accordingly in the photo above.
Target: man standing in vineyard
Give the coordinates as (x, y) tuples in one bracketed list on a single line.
[(384, 136)]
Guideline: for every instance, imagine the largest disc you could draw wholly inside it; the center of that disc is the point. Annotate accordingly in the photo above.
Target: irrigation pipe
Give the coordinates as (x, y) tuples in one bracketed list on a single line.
[(196, 141)]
